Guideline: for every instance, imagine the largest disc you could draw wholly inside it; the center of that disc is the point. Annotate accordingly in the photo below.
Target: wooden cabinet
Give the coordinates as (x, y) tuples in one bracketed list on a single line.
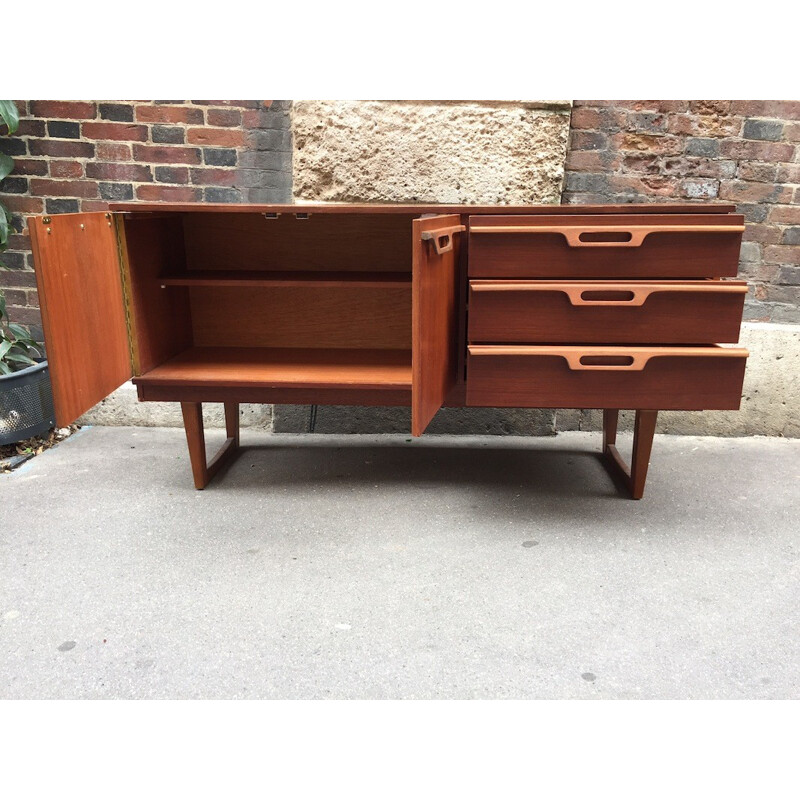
[(425, 306)]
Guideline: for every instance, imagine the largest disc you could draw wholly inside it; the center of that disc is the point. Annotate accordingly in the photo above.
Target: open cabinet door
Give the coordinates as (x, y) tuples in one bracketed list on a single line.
[(434, 326), (83, 313)]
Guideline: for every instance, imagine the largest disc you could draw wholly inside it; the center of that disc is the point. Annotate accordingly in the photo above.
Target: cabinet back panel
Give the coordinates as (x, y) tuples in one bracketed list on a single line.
[(322, 317), (162, 321), (325, 242)]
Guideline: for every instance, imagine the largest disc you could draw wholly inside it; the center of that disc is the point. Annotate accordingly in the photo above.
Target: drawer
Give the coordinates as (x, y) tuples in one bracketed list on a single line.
[(684, 378), (605, 246), (648, 312)]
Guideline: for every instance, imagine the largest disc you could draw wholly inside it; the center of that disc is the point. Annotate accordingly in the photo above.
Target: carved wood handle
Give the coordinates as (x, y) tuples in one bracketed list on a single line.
[(442, 238), (639, 356), (637, 233), (638, 292)]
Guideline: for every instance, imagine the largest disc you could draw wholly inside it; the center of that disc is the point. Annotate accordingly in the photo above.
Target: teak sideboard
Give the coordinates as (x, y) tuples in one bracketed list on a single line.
[(608, 307)]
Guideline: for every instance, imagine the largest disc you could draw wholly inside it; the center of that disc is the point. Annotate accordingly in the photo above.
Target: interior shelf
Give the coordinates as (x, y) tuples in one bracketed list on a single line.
[(288, 278), (284, 368)]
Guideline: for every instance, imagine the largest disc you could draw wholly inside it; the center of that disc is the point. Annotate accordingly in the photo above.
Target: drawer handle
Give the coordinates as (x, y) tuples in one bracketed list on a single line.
[(604, 236), (632, 359), (630, 295), (442, 238)]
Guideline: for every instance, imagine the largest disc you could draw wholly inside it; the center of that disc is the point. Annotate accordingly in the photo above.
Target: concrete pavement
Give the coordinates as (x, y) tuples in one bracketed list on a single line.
[(380, 567)]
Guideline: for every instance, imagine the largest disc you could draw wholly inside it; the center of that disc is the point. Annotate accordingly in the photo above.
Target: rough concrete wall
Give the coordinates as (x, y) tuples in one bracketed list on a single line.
[(459, 152)]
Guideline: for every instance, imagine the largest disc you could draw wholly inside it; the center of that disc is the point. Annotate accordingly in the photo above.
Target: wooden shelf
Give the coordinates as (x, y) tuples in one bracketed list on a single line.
[(259, 367), (386, 280)]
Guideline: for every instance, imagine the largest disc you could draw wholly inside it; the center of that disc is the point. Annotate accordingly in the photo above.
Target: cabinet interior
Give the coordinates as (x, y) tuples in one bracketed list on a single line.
[(323, 300)]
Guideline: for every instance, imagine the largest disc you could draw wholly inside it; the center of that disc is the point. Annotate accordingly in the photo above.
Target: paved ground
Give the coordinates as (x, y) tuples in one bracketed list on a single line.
[(378, 567)]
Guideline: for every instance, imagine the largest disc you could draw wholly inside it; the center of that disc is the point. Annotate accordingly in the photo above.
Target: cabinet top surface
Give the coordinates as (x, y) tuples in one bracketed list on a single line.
[(424, 208)]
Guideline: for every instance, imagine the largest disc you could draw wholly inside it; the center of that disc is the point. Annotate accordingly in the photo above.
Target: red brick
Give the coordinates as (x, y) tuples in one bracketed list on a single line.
[(214, 177), (113, 151), (749, 192), (224, 117), (31, 127), (139, 173), (706, 126), (172, 174), (644, 185), (652, 143), (784, 215), (25, 316), (17, 278), (30, 166), (217, 137), (33, 298), (22, 204), (592, 161), (787, 173), (782, 254), (48, 188), (664, 106), (15, 297), (757, 151), (757, 171), (164, 154), (61, 149), (791, 132), (177, 194), (781, 109), (63, 109), (94, 205), (235, 103), (763, 234), (117, 131), (584, 118), (710, 106), (66, 169), (185, 114)]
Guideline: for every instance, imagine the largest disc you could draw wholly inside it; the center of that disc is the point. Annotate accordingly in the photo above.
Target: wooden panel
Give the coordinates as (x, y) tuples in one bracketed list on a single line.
[(647, 246), (377, 243), (434, 316), (692, 312), (261, 367), (275, 278), (163, 322), (302, 317), (419, 208), (605, 377), (80, 291)]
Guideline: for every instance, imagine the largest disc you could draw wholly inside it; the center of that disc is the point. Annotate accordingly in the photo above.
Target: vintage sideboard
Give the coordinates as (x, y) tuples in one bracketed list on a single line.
[(608, 307)]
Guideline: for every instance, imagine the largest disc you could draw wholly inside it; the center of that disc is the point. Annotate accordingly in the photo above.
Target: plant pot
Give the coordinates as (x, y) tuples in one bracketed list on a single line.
[(26, 403)]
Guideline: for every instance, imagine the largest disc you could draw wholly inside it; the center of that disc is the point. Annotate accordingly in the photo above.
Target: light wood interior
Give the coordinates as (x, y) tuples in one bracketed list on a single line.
[(286, 301)]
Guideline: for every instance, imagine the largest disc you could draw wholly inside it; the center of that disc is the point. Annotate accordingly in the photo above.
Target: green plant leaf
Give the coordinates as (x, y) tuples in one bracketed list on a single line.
[(10, 115), (4, 368), (2, 307), (5, 346), (20, 332), (6, 165), (19, 358), (5, 226)]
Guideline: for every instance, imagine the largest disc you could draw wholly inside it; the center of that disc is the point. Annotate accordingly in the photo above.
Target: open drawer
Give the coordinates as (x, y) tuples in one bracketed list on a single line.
[(645, 312), (605, 246), (683, 378)]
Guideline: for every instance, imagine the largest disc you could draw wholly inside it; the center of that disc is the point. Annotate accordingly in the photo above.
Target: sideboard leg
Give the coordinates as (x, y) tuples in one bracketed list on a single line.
[(202, 470), (643, 432), (633, 477)]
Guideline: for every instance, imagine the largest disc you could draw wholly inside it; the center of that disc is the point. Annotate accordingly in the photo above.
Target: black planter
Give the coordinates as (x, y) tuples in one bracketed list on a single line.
[(26, 404)]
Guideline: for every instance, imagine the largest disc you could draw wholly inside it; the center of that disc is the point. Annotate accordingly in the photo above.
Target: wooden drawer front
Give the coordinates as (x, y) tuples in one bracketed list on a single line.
[(611, 246), (685, 378), (648, 312)]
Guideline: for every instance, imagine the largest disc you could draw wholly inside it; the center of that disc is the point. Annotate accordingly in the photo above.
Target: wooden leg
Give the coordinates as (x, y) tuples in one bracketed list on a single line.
[(203, 471), (632, 477)]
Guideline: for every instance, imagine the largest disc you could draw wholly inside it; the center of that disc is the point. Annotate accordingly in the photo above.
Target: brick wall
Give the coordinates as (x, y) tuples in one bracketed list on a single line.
[(79, 156), (744, 152)]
